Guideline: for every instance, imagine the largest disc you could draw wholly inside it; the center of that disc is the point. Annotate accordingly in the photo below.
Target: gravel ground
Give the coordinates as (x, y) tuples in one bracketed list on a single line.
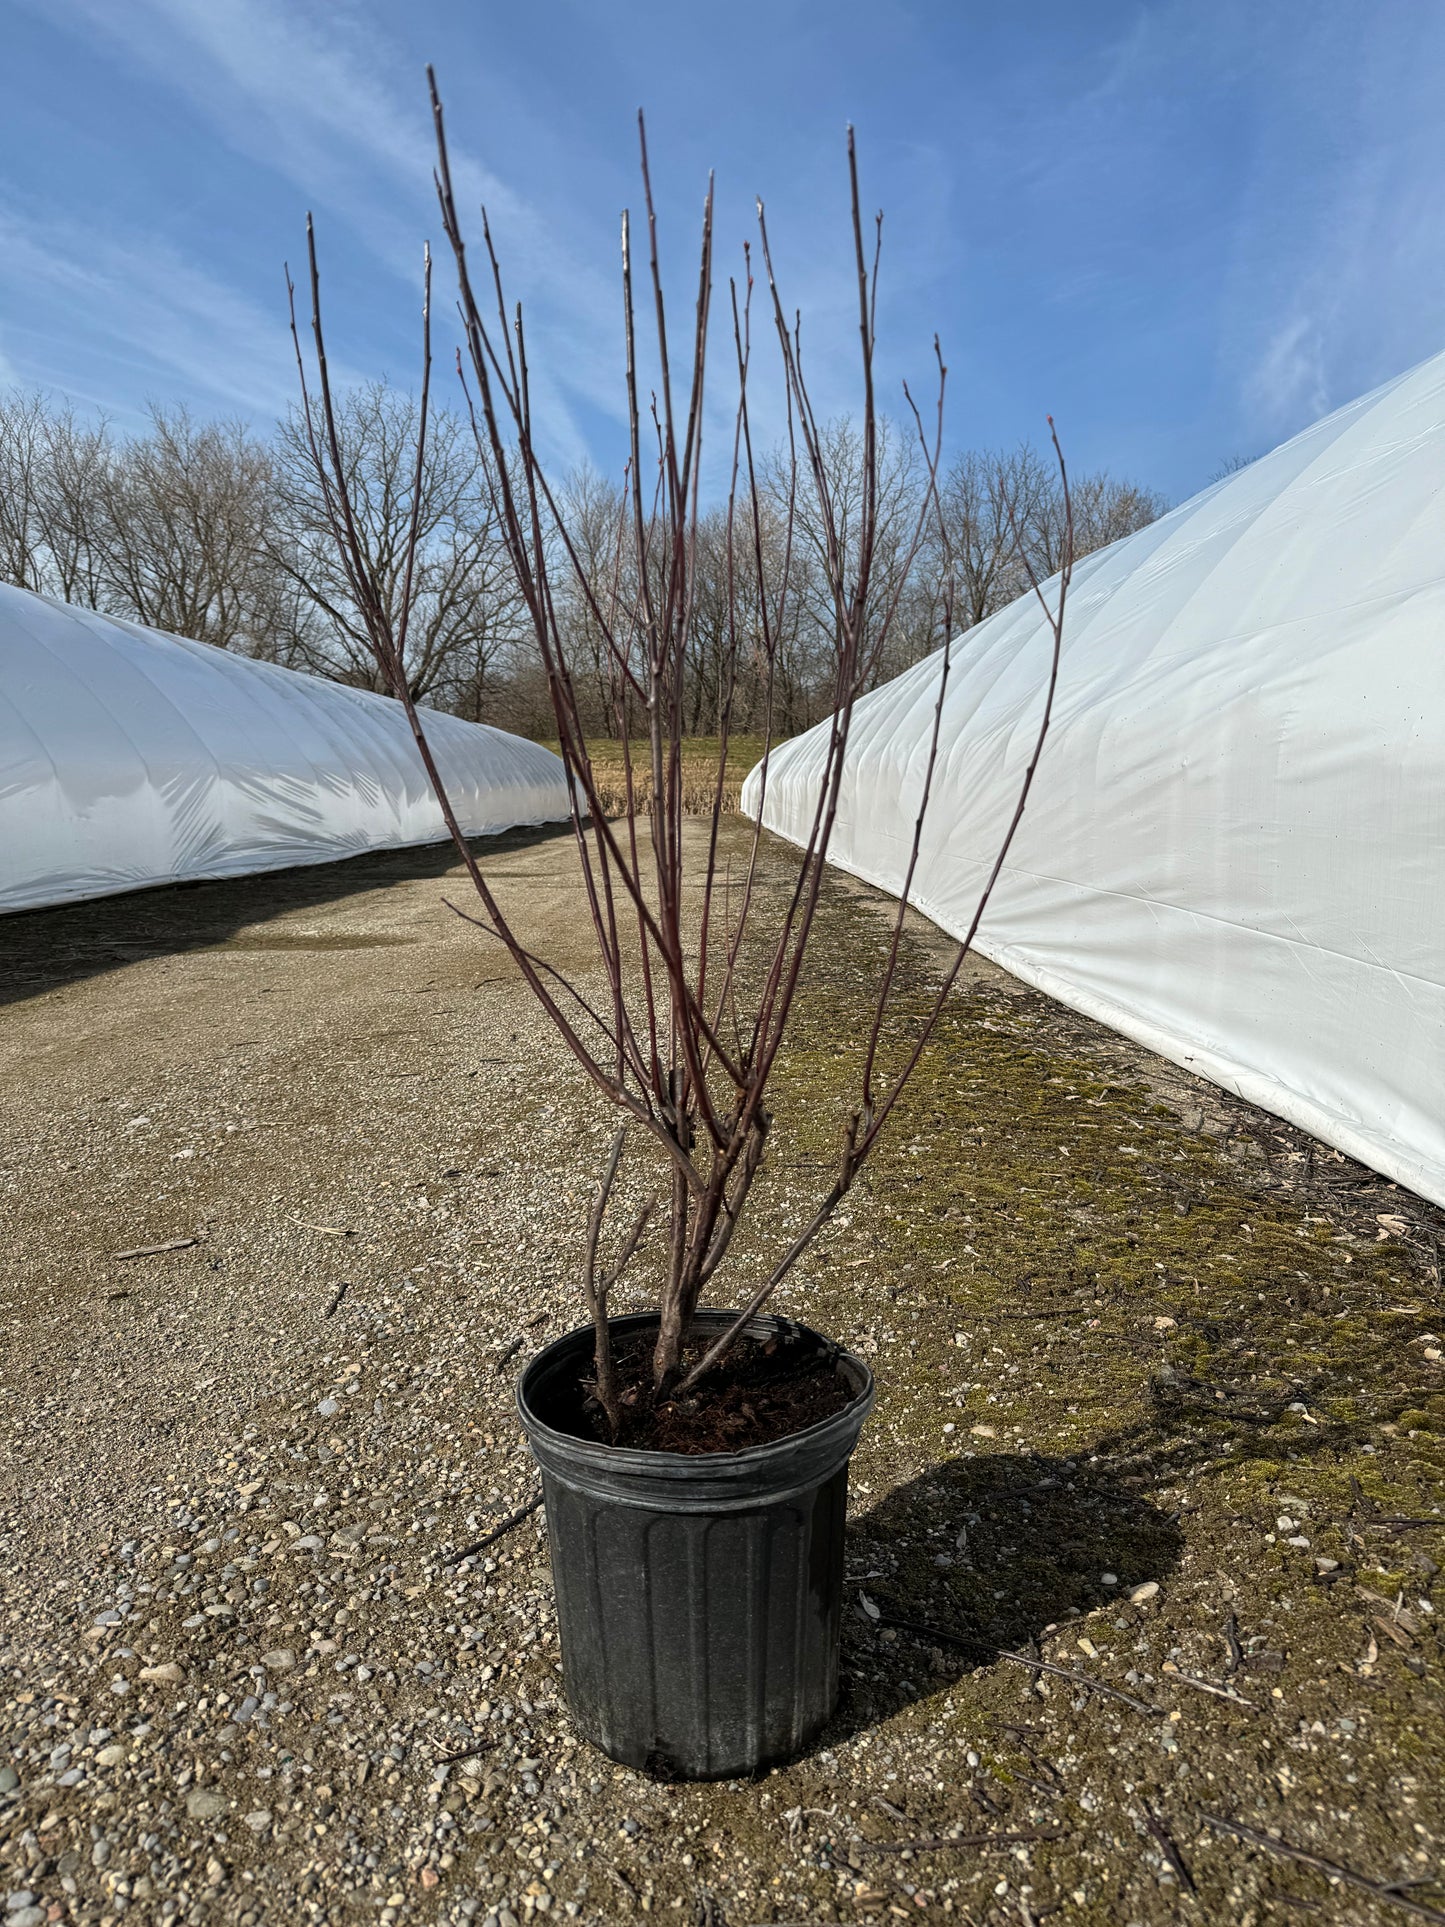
[(240, 1681)]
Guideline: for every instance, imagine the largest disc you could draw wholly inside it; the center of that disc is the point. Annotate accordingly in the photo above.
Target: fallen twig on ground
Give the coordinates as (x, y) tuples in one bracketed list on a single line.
[(1382, 1890), (940, 1633), (1052, 1311), (491, 1538), (1167, 1847), (1176, 1678), (507, 1354), (154, 1251), (1231, 1640), (334, 1302), (933, 1842)]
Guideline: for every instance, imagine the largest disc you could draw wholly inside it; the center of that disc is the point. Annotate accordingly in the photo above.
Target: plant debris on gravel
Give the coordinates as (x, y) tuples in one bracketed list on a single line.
[(1144, 1530)]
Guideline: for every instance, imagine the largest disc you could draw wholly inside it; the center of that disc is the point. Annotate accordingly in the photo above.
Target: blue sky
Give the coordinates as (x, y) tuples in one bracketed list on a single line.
[(1185, 230)]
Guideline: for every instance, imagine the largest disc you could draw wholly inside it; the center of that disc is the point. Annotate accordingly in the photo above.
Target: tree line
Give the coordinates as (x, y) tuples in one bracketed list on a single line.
[(211, 530)]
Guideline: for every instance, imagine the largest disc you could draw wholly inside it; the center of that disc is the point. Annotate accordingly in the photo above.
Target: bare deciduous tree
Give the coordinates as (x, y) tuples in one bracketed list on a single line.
[(987, 495), (1104, 510), (429, 536), (52, 474), (210, 531), (899, 481), (176, 523)]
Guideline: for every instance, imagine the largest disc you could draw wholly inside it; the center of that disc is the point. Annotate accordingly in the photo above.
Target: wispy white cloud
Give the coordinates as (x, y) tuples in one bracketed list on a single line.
[(1337, 280), (317, 95), (1287, 382), (134, 302)]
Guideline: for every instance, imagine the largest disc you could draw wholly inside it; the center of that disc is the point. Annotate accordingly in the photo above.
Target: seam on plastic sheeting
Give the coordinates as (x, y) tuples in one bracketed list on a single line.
[(1349, 1134)]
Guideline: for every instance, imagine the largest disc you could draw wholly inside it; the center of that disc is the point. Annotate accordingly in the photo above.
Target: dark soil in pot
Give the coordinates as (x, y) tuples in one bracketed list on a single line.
[(700, 1593), (767, 1388)]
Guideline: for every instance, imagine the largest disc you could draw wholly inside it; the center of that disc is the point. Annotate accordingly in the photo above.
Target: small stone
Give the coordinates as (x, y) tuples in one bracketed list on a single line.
[(14, 1902), (259, 1820), (1149, 1590), (27, 1917), (203, 1803), (112, 1755), (1108, 1578), (281, 1661), (329, 1407), (167, 1673), (100, 1853), (308, 1542), (9, 1779), (429, 1877)]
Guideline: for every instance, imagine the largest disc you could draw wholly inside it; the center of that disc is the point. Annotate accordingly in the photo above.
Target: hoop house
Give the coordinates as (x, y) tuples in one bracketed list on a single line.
[(128, 757), (1235, 847)]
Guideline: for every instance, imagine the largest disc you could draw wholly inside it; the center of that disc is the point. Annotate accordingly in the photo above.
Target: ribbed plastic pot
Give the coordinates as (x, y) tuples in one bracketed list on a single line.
[(699, 1599)]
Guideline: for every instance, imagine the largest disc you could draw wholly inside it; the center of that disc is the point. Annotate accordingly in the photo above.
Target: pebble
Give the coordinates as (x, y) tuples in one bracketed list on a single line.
[(1108, 1578), (9, 1779), (281, 1661), (204, 1803), (26, 1917), (259, 1820), (166, 1673), (1149, 1590), (112, 1755)]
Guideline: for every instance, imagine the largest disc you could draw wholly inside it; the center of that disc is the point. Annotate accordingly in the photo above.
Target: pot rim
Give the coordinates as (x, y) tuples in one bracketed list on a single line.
[(849, 1418)]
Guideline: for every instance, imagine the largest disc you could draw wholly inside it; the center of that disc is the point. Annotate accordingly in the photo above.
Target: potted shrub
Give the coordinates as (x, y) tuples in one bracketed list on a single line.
[(694, 1459)]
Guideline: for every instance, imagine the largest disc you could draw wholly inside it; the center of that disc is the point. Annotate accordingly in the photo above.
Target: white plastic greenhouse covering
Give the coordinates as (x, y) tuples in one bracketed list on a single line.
[(1235, 847), (129, 757)]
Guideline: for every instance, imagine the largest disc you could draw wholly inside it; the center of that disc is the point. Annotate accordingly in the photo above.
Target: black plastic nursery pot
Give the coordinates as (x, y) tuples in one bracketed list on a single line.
[(699, 1598)]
